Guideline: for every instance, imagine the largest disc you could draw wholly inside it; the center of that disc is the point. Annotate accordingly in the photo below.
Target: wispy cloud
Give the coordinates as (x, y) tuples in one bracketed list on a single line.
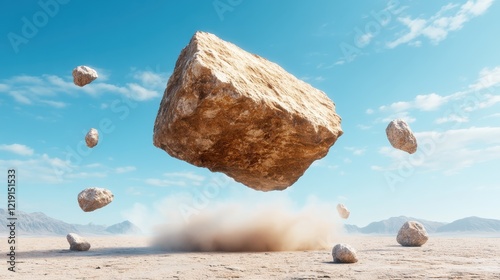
[(475, 97), (449, 151), (427, 102), (45, 89), (39, 168), (356, 151), (436, 28), (125, 169), (177, 179), (18, 149), (487, 78), (452, 118)]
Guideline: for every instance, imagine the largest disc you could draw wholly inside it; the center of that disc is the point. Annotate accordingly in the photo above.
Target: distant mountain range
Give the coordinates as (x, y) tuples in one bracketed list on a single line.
[(40, 224), (392, 225)]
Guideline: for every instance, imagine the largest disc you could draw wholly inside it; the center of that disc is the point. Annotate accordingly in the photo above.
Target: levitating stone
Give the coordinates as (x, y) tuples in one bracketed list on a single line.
[(240, 114), (412, 234), (343, 212), (83, 75), (401, 137), (91, 199), (92, 138)]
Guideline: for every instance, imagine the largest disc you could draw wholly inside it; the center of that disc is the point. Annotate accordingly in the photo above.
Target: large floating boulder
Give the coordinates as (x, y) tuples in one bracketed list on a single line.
[(83, 75), (91, 199), (401, 137), (412, 234), (240, 114)]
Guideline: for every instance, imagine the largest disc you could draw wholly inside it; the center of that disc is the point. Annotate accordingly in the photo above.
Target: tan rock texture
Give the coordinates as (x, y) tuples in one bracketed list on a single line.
[(84, 75), (237, 113), (92, 138), (344, 253), (343, 212), (401, 137), (77, 243), (91, 199), (412, 234)]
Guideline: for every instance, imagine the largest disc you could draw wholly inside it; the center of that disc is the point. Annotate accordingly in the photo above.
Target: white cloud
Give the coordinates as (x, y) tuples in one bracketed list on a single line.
[(377, 168), (39, 169), (165, 182), (140, 93), (452, 118), (86, 175), (4, 87), (469, 100), (19, 97), (55, 104), (448, 152), (19, 149), (151, 79), (125, 169), (400, 106), (437, 27), (487, 78), (399, 115), (429, 102), (356, 151), (363, 127), (179, 179), (185, 175), (364, 39), (487, 100), (495, 115), (339, 62), (369, 111), (43, 89), (416, 26)]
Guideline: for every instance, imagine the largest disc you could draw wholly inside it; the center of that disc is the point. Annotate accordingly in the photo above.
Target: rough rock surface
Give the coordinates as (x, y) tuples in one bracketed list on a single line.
[(92, 138), (343, 253), (412, 234), (77, 243), (91, 199), (401, 137), (83, 75), (343, 212), (240, 114)]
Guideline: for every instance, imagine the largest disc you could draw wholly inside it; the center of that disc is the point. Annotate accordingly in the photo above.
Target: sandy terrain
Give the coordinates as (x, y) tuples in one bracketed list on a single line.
[(380, 258)]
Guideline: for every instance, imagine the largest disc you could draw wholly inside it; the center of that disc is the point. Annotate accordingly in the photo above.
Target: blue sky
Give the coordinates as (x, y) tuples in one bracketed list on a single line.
[(435, 64)]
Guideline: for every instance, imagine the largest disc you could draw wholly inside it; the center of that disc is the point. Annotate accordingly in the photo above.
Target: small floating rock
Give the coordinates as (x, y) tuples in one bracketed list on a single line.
[(91, 199), (83, 75)]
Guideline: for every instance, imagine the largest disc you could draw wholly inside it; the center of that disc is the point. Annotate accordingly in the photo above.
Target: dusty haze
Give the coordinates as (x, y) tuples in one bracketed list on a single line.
[(247, 227)]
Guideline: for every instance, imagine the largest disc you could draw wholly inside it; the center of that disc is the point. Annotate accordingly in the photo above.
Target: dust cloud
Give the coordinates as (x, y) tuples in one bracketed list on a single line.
[(249, 227)]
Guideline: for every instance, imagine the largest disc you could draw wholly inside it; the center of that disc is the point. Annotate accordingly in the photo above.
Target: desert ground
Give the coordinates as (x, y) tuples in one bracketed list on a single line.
[(379, 258)]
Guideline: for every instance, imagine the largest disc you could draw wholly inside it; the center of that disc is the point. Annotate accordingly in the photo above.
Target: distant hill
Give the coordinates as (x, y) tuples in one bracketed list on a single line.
[(40, 224), (125, 227), (472, 224), (392, 226)]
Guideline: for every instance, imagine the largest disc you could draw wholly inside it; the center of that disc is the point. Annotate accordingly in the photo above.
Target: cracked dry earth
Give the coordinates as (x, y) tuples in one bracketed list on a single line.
[(379, 258)]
